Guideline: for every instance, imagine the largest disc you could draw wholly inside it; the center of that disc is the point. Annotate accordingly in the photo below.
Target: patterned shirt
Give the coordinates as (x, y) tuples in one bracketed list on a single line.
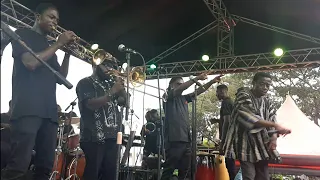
[(100, 124), (244, 141)]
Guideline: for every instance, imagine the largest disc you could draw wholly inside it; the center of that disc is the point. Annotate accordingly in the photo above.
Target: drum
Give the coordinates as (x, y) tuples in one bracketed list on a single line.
[(81, 163), (58, 165), (73, 141)]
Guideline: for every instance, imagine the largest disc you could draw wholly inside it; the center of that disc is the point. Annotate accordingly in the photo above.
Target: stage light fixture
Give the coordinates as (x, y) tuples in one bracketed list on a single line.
[(94, 46), (153, 66), (205, 58), (278, 52)]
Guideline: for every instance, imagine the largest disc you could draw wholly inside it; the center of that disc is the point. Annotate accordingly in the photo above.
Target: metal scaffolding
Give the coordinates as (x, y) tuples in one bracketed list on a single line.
[(19, 16), (225, 26), (225, 31), (234, 64)]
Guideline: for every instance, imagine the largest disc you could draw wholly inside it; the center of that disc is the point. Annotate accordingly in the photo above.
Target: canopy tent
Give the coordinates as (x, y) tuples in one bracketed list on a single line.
[(304, 137)]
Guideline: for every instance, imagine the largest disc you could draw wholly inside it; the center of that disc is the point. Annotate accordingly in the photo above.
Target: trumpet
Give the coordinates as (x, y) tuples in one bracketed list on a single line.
[(98, 56)]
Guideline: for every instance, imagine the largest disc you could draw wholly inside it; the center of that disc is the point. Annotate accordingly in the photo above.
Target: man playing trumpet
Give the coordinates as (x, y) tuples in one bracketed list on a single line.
[(99, 96), (34, 107)]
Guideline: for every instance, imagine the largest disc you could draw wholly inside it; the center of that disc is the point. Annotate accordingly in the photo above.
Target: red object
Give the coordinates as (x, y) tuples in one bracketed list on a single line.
[(205, 173), (290, 161)]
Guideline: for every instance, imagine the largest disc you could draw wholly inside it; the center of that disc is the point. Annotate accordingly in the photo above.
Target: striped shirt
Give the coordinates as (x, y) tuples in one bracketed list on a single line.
[(244, 141)]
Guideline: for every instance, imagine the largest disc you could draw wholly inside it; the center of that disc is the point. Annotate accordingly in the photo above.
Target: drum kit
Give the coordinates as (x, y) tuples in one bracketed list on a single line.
[(69, 161)]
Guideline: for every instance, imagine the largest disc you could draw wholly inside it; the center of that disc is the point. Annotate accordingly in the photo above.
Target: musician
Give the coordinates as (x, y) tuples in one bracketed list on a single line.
[(225, 115), (100, 121), (253, 115), (177, 129), (34, 107), (5, 136), (150, 138)]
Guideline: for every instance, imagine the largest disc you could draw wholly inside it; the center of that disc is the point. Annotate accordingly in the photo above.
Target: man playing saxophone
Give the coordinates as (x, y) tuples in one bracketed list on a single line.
[(100, 121)]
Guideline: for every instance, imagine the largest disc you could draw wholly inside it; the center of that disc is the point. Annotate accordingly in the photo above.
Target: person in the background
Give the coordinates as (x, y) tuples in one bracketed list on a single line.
[(253, 116), (149, 133), (34, 107), (5, 136), (177, 129), (225, 116)]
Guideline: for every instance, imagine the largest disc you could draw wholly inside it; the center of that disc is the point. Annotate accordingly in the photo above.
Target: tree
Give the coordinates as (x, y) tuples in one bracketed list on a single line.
[(302, 84)]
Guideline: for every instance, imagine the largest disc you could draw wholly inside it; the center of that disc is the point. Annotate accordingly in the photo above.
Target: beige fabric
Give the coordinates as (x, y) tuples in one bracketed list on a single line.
[(304, 139)]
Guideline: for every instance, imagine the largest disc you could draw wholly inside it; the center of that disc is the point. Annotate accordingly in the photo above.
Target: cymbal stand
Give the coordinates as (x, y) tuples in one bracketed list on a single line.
[(69, 128), (74, 175), (58, 151)]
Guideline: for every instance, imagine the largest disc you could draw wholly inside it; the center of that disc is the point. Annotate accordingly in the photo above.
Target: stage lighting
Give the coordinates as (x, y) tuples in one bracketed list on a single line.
[(205, 57), (278, 52), (94, 46), (153, 66)]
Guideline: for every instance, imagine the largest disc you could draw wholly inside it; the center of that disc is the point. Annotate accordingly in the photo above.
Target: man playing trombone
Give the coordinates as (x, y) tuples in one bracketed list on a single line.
[(34, 106), (177, 129), (99, 96)]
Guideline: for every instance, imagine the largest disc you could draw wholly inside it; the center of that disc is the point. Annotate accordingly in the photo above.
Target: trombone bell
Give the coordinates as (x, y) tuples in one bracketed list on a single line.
[(137, 77)]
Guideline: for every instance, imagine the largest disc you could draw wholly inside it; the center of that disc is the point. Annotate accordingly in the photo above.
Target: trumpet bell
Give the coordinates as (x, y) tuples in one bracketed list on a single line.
[(99, 56), (137, 76)]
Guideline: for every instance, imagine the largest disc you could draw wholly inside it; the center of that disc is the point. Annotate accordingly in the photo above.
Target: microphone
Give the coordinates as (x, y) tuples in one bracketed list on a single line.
[(123, 48), (197, 82)]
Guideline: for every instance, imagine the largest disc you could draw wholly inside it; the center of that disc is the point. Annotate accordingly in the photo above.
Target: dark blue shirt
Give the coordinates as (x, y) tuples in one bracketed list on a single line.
[(176, 123), (33, 92)]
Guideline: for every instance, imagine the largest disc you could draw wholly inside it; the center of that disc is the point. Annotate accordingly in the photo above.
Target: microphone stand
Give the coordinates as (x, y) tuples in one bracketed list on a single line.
[(119, 135), (5, 28), (160, 133), (194, 135)]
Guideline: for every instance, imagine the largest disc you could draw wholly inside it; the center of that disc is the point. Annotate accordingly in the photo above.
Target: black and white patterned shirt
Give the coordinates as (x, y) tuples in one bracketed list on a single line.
[(100, 124), (244, 141)]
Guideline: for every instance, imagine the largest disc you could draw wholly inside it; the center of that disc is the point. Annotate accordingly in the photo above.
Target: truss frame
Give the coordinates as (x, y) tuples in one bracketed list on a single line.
[(291, 59), (19, 16), (225, 32)]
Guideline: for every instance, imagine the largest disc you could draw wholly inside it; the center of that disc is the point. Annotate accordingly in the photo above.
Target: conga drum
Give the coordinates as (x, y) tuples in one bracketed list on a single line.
[(221, 171), (205, 169)]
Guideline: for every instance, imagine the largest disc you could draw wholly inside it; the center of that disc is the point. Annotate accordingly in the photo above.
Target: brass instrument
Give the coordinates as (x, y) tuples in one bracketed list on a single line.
[(98, 56), (150, 126)]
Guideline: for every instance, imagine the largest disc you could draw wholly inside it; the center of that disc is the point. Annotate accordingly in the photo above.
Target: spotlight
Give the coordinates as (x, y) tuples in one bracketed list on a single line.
[(278, 52), (153, 66), (94, 46), (205, 58)]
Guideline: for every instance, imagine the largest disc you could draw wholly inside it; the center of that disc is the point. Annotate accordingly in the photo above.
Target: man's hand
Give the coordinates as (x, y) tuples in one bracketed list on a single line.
[(273, 143), (118, 86), (202, 76), (217, 78), (66, 38), (282, 130)]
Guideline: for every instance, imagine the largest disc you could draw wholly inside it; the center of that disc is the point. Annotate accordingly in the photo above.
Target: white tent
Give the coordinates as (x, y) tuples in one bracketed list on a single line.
[(304, 139)]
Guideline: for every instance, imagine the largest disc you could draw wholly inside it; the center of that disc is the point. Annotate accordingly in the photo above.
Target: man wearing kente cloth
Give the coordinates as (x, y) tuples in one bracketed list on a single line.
[(247, 139)]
